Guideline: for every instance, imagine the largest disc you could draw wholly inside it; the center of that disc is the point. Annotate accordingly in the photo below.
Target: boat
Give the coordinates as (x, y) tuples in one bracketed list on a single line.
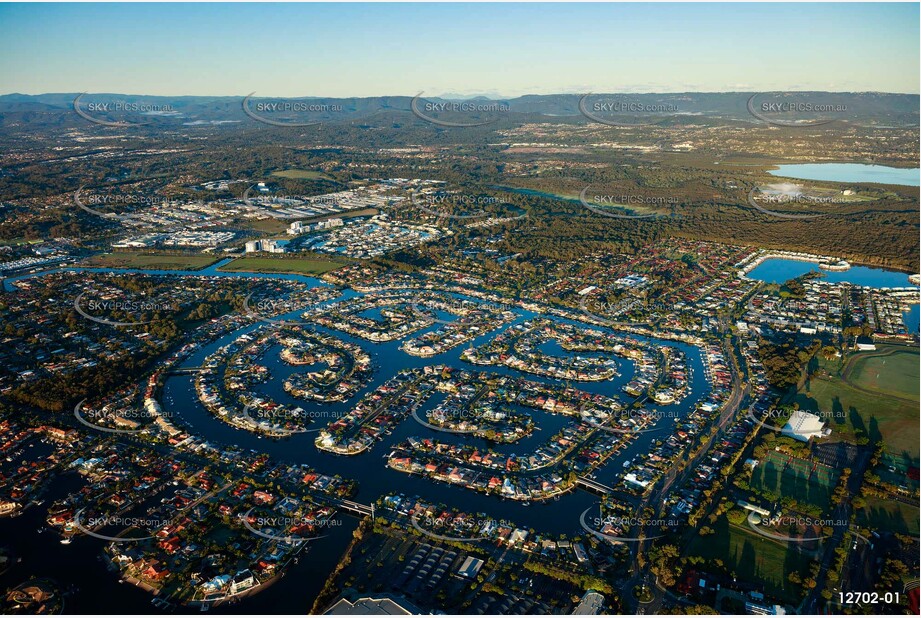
[(66, 541)]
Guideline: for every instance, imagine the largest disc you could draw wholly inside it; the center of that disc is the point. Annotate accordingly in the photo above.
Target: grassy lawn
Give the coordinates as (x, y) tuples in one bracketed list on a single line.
[(896, 373), (293, 265), (753, 558), (152, 261), (796, 480), (890, 515), (302, 174), (267, 226), (857, 412)]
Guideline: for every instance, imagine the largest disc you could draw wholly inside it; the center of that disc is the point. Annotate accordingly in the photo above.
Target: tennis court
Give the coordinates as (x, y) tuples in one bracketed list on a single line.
[(781, 475)]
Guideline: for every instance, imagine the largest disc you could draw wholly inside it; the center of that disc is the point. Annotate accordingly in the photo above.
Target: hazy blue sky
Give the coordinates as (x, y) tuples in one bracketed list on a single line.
[(401, 49)]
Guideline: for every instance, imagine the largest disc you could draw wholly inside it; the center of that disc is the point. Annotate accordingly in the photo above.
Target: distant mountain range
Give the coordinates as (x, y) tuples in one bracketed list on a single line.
[(861, 107)]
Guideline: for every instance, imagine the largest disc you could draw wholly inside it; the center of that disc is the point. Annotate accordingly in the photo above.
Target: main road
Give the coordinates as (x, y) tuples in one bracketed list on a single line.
[(737, 397)]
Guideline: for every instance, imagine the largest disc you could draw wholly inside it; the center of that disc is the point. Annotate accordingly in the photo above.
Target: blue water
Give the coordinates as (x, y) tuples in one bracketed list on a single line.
[(850, 172), (778, 270), (375, 478), (912, 318), (96, 590)]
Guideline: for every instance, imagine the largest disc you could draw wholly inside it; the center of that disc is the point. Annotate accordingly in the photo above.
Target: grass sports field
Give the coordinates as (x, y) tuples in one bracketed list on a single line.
[(297, 266), (889, 515), (893, 373), (267, 226), (753, 557), (302, 174), (796, 478), (875, 395), (151, 261)]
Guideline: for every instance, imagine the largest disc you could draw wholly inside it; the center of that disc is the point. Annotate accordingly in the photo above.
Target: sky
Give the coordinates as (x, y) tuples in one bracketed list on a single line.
[(345, 50)]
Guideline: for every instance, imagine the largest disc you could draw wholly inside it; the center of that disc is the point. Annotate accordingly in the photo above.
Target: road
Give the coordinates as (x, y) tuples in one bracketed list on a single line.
[(657, 496), (841, 515)]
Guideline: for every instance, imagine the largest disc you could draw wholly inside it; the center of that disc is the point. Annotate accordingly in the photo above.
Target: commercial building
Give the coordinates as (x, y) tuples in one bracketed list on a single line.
[(803, 426), (383, 605)]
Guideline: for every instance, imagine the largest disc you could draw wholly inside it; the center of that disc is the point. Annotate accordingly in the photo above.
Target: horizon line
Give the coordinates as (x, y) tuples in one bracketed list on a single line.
[(472, 96)]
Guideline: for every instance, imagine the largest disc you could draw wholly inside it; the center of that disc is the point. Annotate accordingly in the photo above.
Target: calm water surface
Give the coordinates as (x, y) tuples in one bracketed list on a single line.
[(850, 172), (779, 270), (98, 590)]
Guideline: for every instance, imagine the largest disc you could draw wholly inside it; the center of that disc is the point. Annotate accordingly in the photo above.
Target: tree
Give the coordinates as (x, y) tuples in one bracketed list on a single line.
[(664, 564)]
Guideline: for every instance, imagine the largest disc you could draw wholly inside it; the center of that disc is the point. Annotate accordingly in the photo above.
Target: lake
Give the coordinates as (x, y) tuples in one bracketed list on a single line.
[(294, 593), (375, 478), (91, 588), (850, 172), (779, 270), (912, 317)]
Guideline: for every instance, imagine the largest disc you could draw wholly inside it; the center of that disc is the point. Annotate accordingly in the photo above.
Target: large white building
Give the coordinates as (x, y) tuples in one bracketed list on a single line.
[(803, 426), (365, 606), (268, 246), (298, 227)]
